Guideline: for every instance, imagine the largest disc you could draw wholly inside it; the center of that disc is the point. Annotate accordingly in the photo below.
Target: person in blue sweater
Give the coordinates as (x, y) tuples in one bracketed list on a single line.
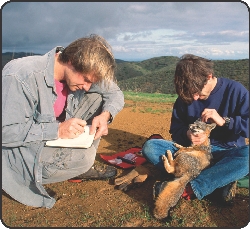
[(215, 100)]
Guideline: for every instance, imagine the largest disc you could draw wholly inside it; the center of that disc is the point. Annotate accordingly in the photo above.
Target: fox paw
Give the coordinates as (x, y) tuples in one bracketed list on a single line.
[(164, 158), (178, 146)]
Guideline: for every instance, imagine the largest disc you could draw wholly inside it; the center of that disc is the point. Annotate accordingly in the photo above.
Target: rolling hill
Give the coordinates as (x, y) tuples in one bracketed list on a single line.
[(155, 75)]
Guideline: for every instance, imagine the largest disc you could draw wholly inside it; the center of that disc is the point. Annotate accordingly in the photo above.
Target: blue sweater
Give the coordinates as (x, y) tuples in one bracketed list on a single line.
[(229, 98)]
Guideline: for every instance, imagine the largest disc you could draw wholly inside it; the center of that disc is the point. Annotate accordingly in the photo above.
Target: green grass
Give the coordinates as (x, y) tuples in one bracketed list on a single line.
[(150, 97), (154, 111)]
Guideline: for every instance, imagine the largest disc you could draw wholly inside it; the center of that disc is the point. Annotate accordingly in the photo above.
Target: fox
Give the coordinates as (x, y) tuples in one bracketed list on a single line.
[(187, 164)]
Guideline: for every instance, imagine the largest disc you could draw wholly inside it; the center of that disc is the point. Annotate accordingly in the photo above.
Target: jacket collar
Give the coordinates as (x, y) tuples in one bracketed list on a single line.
[(49, 70)]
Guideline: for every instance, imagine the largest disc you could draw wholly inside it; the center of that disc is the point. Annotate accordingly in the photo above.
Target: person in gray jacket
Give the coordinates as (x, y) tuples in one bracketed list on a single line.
[(54, 96)]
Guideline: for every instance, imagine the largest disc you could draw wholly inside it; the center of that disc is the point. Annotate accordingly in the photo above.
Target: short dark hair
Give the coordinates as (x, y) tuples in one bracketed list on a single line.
[(91, 54), (191, 74)]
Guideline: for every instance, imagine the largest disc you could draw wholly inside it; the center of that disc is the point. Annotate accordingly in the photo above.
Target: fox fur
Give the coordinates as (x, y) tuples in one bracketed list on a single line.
[(188, 163)]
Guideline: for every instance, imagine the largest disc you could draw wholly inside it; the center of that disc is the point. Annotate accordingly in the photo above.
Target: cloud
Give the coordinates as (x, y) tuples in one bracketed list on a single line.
[(221, 37), (134, 29)]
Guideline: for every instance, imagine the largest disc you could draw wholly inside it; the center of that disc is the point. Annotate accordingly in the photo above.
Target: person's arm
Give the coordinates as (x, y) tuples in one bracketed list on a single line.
[(19, 124), (113, 102), (239, 121), (179, 123), (113, 98)]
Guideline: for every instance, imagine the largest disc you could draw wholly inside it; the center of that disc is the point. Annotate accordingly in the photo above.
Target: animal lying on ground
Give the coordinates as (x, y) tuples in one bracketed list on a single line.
[(188, 163)]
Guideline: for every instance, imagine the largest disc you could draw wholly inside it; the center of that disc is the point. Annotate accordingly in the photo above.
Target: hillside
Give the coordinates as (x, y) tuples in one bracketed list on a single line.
[(155, 75), (7, 56)]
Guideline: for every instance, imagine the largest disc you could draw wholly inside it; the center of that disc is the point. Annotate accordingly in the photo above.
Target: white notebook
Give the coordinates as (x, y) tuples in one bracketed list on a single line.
[(84, 140)]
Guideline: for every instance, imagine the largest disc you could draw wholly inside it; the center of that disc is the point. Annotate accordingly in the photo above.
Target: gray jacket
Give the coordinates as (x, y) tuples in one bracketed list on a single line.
[(28, 121)]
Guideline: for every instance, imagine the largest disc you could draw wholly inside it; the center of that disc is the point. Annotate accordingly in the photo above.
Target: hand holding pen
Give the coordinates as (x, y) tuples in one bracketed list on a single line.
[(71, 128)]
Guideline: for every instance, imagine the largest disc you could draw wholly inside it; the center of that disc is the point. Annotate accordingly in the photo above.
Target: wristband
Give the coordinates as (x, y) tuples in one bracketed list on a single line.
[(227, 121), (111, 118)]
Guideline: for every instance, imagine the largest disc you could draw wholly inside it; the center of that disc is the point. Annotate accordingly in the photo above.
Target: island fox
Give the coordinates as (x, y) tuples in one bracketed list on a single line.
[(188, 163)]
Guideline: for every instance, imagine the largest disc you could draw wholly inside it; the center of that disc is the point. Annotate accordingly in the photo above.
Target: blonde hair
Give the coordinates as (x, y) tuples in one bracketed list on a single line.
[(91, 55)]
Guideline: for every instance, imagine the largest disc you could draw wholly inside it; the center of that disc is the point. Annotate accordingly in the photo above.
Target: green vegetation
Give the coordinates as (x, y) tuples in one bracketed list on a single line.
[(142, 102), (150, 76), (150, 97), (237, 70), (156, 75)]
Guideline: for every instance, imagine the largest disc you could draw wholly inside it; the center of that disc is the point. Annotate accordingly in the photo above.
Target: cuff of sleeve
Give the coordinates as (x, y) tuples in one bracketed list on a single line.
[(231, 124), (113, 112), (111, 117), (50, 131)]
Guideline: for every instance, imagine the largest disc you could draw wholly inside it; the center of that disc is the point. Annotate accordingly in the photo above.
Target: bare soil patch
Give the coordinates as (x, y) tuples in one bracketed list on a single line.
[(100, 204)]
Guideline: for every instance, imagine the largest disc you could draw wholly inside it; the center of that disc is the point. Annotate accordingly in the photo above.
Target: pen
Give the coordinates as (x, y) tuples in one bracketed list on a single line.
[(69, 112)]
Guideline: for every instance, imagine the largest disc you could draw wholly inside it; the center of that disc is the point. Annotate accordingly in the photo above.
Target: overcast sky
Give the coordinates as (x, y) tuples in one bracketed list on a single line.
[(135, 30)]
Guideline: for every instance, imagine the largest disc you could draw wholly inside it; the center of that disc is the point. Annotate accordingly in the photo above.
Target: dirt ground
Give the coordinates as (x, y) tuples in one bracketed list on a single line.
[(100, 204)]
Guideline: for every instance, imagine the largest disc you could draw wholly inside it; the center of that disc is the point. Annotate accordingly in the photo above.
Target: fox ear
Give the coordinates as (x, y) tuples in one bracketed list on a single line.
[(212, 126)]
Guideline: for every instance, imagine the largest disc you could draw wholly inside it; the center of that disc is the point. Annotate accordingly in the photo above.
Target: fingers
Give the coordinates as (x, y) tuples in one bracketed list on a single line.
[(71, 128), (208, 114), (99, 126), (198, 139), (74, 135), (77, 127), (77, 133), (211, 116), (101, 131), (93, 127)]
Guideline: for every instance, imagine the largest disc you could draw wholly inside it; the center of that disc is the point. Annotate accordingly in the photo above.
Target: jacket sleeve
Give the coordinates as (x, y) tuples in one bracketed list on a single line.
[(179, 124), (112, 96), (18, 108), (239, 123)]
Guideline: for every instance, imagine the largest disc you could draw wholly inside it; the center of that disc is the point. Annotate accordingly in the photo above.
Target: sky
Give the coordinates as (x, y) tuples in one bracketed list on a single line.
[(136, 31)]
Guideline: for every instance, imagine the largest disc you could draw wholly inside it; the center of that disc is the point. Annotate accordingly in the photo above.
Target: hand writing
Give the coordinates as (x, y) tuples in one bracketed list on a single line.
[(71, 128)]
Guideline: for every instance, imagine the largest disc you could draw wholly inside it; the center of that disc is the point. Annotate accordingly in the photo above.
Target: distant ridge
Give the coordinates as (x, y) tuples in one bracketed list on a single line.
[(118, 61), (155, 75), (8, 56)]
